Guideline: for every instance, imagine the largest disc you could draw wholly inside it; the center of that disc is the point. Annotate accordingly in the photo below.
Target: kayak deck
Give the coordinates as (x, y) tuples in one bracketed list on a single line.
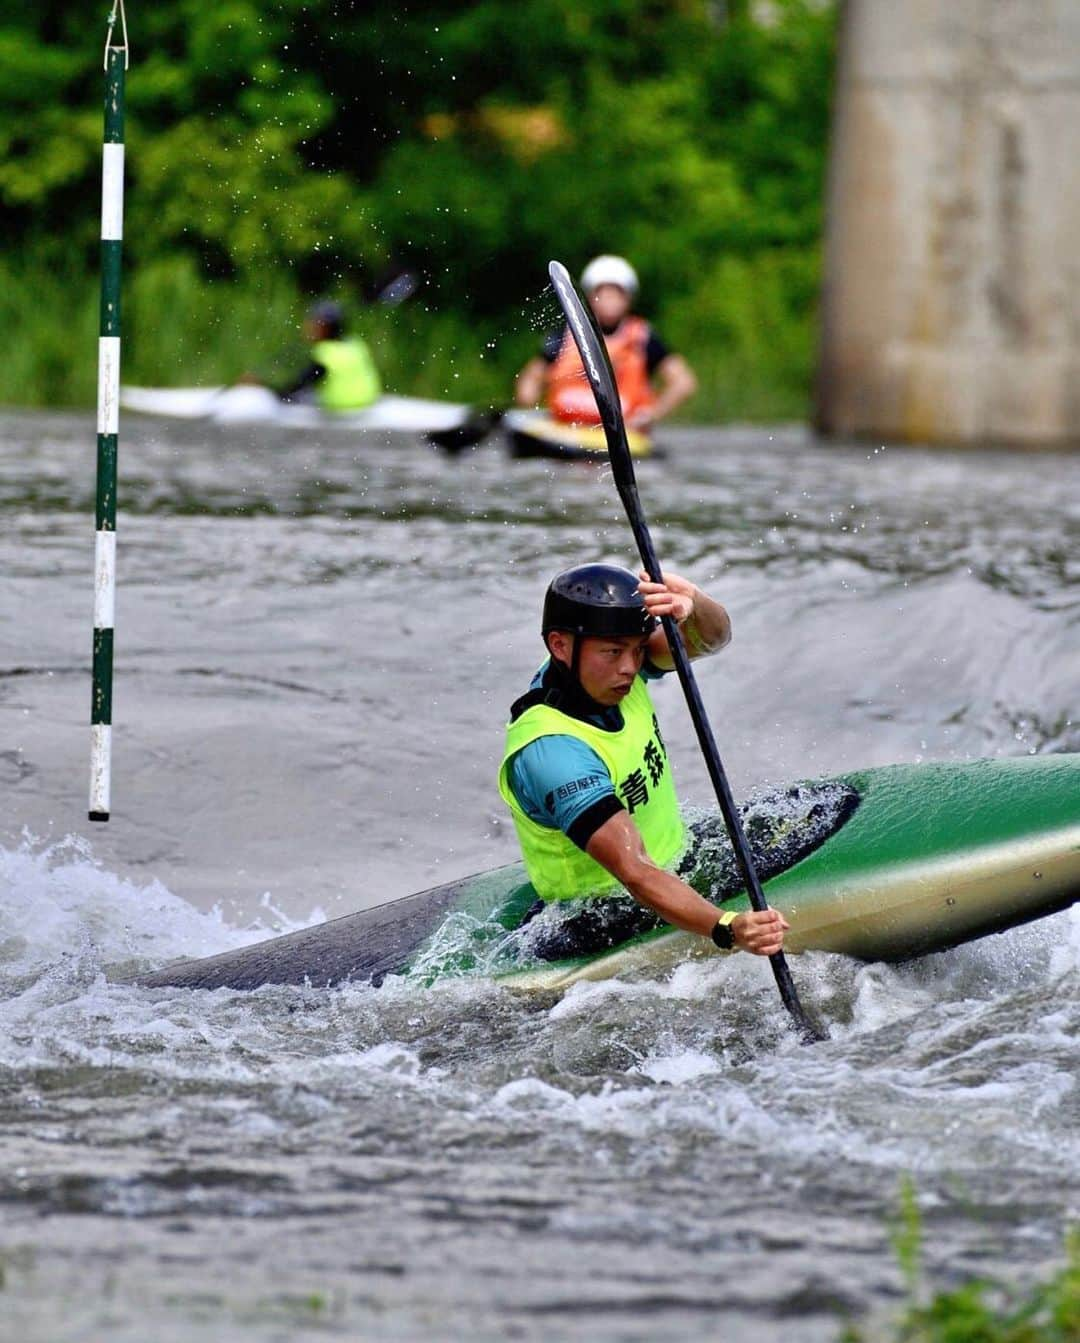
[(534, 433)]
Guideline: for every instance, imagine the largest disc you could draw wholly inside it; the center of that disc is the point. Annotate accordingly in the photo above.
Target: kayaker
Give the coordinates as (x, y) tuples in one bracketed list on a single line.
[(341, 374), (586, 774), (638, 356)]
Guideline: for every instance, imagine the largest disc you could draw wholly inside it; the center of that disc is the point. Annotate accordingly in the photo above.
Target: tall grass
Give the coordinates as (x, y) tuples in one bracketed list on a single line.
[(181, 329), (186, 329), (749, 334), (977, 1311), (51, 317)]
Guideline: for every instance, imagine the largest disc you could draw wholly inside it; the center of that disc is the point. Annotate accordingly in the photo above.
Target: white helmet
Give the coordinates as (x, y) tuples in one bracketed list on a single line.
[(609, 270)]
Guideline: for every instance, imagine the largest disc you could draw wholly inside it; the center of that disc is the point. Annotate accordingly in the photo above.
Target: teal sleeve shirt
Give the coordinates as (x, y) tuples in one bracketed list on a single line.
[(555, 779)]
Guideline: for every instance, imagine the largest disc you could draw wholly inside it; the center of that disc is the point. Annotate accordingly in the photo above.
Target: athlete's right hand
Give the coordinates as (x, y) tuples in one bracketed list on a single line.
[(760, 933)]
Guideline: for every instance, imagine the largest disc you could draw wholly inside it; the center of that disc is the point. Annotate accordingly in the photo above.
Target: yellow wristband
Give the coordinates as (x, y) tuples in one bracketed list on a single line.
[(721, 931)]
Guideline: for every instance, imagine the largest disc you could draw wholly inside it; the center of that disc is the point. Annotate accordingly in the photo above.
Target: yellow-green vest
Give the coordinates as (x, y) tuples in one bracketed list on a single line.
[(636, 760), (351, 380)]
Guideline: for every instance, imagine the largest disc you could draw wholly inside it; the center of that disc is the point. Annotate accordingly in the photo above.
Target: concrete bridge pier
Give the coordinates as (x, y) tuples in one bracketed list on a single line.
[(951, 305)]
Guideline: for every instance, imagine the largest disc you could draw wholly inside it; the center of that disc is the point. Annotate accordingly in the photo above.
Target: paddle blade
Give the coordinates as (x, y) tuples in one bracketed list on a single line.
[(468, 434), (400, 286), (598, 370)]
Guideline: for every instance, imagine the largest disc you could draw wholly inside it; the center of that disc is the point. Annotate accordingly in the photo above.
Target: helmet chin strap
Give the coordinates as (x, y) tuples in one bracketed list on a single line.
[(575, 659), (579, 703), (571, 669)]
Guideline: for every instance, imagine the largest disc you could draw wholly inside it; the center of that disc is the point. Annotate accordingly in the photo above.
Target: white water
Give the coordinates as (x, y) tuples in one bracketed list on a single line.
[(635, 1160)]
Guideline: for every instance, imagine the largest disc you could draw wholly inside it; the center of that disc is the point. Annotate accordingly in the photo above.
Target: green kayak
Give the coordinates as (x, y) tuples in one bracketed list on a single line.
[(884, 864)]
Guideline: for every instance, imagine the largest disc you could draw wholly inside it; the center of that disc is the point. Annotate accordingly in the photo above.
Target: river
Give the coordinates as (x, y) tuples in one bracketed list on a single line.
[(316, 644)]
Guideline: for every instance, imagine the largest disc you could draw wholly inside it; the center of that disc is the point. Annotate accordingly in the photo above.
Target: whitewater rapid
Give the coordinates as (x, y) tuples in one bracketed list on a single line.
[(316, 645)]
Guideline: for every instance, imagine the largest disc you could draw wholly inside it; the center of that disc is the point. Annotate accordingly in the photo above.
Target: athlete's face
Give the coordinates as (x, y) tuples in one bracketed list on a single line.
[(606, 667), (610, 304)]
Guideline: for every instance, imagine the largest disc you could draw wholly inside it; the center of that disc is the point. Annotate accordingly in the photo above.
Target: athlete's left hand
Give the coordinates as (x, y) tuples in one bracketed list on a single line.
[(673, 597)]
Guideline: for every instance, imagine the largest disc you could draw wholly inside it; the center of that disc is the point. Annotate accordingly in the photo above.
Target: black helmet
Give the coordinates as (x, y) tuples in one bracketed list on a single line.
[(328, 314), (596, 599)]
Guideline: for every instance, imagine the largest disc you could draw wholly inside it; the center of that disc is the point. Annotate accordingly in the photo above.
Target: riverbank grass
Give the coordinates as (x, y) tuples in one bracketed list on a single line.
[(978, 1311)]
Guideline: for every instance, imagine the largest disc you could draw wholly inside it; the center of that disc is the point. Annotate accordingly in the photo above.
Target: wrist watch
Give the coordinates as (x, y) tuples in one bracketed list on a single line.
[(721, 933)]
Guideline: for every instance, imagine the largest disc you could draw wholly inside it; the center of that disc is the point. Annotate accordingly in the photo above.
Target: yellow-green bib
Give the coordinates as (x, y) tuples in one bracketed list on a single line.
[(351, 380), (637, 762)]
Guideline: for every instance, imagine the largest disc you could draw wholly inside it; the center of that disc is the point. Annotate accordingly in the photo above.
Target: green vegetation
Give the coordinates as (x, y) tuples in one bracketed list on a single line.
[(979, 1312), (306, 147), (181, 327)]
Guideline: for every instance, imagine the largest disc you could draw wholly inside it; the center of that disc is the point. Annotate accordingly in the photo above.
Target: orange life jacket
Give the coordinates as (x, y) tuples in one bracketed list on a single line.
[(568, 394)]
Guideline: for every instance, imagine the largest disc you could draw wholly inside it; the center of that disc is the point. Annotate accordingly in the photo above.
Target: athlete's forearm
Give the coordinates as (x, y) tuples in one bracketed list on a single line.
[(677, 384), (617, 846), (673, 900), (707, 628), (529, 388), (759, 932), (703, 622), (311, 375)]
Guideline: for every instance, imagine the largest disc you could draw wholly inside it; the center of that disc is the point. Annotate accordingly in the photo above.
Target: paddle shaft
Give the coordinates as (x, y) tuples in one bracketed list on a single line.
[(602, 380), (728, 809)]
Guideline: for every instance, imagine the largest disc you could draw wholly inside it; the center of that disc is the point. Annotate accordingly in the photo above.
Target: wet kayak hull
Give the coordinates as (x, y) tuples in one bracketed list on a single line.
[(258, 405), (931, 856)]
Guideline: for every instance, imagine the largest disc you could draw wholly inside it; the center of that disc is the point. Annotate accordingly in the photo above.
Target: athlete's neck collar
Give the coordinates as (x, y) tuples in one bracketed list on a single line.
[(571, 697)]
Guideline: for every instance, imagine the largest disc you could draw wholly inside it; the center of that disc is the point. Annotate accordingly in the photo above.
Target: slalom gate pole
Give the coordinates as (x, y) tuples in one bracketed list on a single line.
[(108, 416)]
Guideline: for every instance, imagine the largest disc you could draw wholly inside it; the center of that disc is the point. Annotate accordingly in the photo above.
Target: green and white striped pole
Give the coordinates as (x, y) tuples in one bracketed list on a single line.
[(108, 416)]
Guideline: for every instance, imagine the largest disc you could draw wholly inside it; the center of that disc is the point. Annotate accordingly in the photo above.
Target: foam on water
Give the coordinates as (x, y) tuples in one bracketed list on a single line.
[(950, 1068), (918, 1053), (66, 923), (69, 924)]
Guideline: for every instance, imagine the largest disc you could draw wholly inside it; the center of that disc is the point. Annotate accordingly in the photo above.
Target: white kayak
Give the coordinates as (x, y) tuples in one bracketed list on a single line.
[(245, 404)]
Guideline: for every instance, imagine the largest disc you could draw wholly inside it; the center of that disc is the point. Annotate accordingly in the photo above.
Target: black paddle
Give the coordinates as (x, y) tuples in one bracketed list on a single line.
[(602, 381)]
